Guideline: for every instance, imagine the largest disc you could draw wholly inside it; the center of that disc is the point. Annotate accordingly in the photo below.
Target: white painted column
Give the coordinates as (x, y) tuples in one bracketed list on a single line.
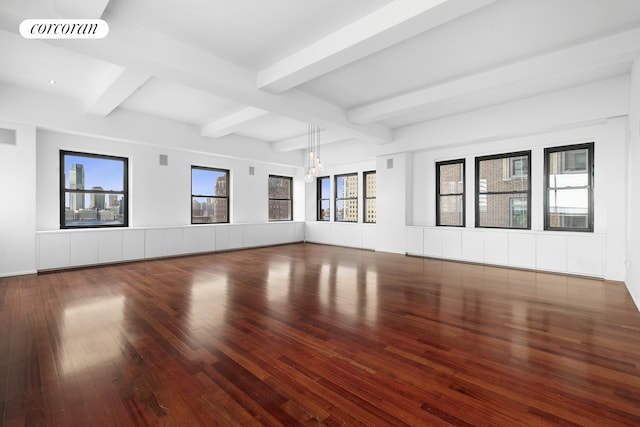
[(18, 200), (395, 195), (633, 235)]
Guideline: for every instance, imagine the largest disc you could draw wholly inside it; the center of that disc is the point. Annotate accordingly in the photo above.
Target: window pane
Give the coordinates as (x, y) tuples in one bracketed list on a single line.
[(347, 186), (280, 205), (504, 174), (569, 206), (206, 210), (323, 194), (279, 187), (569, 189), (370, 184), (209, 182), (87, 172), (324, 188), (346, 198), (97, 209), (370, 206), (347, 210), (451, 210), (569, 161), (279, 210), (504, 211), (568, 169), (371, 213), (451, 178), (94, 193), (325, 210)]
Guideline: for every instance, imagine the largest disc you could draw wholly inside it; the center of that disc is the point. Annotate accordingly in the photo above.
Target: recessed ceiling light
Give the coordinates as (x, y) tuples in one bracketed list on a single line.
[(52, 82)]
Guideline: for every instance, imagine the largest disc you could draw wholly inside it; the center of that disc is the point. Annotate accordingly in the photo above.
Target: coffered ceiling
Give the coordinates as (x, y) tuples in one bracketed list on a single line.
[(361, 69)]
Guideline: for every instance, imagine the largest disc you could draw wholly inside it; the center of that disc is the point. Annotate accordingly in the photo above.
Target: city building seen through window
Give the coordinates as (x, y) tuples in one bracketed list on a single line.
[(209, 195), (280, 198), (503, 191), (93, 190), (370, 207), (450, 193), (324, 199), (346, 198), (568, 197)]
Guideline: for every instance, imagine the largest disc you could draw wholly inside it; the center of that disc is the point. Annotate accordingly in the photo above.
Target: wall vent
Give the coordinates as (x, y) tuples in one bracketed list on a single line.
[(8, 136), (389, 163)]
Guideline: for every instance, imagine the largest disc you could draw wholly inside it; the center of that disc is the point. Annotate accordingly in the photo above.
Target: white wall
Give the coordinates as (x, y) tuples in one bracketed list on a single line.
[(633, 240), (160, 205), (406, 194), (394, 187), (355, 235), (610, 184), (159, 195), (18, 201)]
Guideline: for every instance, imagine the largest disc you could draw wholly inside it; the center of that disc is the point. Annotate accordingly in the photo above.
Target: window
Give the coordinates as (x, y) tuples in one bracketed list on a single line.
[(450, 201), (568, 197), (518, 166), (322, 191), (517, 212), (503, 191), (346, 198), (209, 195), (280, 198), (93, 190), (370, 207)]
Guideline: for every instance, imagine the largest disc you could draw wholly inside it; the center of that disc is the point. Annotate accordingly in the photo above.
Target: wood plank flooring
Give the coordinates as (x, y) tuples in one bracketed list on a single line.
[(310, 335)]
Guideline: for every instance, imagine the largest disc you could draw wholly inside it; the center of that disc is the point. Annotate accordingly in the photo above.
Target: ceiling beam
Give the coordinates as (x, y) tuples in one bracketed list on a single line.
[(231, 123), (118, 86), (153, 53), (624, 46), (302, 141), (391, 24)]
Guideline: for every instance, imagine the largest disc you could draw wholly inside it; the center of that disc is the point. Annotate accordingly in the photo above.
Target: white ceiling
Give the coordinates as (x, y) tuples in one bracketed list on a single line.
[(358, 68)]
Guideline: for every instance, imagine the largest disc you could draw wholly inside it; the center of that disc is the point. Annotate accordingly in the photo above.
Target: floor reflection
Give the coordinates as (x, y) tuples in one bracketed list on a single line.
[(208, 301), (90, 334), (349, 290)]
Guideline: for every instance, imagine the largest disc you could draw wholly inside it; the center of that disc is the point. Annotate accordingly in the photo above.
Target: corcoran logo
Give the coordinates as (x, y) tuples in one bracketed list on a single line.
[(64, 29)]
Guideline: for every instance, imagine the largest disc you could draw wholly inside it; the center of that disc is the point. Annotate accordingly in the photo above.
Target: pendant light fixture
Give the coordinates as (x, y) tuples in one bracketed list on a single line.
[(314, 164)]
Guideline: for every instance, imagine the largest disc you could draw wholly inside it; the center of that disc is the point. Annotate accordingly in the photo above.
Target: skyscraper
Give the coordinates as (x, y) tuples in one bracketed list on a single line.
[(76, 182), (97, 199)]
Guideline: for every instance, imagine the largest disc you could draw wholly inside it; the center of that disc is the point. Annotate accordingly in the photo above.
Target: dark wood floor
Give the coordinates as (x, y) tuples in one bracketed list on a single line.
[(314, 335)]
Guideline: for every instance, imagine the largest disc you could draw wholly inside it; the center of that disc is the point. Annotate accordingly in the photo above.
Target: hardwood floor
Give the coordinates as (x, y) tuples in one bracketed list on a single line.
[(313, 335)]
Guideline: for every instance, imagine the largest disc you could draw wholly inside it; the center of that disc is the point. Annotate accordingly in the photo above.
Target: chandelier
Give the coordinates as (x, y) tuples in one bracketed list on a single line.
[(314, 165)]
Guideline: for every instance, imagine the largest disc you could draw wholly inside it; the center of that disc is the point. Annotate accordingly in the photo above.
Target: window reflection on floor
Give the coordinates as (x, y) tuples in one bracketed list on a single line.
[(208, 302), (90, 334)]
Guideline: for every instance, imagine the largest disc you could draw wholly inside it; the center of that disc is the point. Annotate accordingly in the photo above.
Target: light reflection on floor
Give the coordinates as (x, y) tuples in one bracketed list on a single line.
[(90, 334)]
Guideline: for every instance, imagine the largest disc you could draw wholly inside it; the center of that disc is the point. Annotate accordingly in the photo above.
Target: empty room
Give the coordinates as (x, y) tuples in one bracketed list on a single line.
[(320, 213)]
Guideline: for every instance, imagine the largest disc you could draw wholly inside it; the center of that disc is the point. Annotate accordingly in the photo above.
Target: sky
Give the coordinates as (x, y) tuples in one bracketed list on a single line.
[(98, 172), (203, 181)]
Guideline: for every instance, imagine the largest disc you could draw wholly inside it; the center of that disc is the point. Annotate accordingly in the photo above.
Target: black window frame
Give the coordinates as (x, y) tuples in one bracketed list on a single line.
[(336, 198), (480, 159), (366, 197), (320, 199), (439, 195), (290, 198), (227, 172), (589, 146), (124, 192)]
